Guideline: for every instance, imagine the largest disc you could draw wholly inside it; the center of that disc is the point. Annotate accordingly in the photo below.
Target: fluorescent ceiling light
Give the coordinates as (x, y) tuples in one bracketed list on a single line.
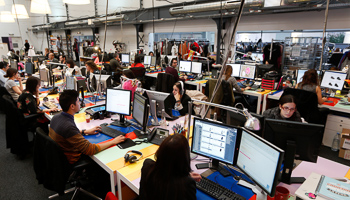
[(6, 17), (19, 11), (40, 7), (76, 2), (76, 23), (109, 19), (2, 2)]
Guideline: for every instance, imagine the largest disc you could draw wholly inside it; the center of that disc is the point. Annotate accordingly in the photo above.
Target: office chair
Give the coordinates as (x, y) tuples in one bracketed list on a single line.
[(165, 82), (139, 73), (83, 71), (307, 105), (52, 168)]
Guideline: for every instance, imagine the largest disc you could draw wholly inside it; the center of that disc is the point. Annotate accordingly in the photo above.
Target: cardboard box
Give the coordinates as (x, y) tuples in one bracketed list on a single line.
[(344, 151)]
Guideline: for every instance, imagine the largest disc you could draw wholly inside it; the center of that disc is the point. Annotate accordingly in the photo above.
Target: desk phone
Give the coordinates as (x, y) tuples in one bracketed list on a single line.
[(157, 136)]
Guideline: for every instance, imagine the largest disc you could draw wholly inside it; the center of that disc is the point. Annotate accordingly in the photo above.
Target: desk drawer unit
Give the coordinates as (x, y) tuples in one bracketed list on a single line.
[(334, 125)]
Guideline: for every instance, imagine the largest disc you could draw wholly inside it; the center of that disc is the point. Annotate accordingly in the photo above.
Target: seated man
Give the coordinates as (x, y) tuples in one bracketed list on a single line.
[(64, 131), (115, 64), (171, 69), (53, 59)]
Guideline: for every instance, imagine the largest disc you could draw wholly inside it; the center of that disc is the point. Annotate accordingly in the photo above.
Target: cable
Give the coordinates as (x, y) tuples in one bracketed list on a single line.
[(19, 28)]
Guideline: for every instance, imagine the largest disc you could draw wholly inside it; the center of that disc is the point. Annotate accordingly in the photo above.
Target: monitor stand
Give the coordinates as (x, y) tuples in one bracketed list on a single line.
[(122, 122), (288, 165), (214, 164), (260, 194), (141, 134), (154, 113)]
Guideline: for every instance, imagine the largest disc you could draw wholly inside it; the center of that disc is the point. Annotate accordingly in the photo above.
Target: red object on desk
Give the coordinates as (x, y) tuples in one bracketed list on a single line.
[(334, 101)]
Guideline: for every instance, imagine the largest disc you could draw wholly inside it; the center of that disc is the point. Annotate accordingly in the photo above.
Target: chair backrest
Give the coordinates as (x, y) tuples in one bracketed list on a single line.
[(228, 97), (83, 71), (139, 72), (307, 104), (51, 166), (210, 87), (165, 82)]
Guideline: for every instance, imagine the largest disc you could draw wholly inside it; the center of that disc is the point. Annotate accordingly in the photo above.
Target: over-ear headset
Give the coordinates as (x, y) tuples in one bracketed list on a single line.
[(182, 88), (132, 158)]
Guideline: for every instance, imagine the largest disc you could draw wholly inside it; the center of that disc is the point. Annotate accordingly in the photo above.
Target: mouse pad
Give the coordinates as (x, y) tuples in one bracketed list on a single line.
[(126, 144)]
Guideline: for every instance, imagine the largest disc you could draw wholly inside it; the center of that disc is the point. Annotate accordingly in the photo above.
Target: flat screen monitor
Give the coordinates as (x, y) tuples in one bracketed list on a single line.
[(44, 75), (261, 70), (236, 70), (162, 102), (106, 81), (119, 101), (153, 61), (70, 83), (300, 141), (333, 80), (215, 140), (260, 160), (125, 58), (147, 60), (185, 66), (13, 64), (139, 110), (301, 72), (239, 120), (29, 68), (196, 68), (247, 71)]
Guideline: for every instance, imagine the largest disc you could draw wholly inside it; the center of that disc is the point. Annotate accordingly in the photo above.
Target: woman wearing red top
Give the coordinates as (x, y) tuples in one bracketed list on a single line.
[(137, 62)]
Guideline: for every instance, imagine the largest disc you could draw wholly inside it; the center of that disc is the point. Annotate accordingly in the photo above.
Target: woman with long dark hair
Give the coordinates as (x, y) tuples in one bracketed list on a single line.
[(286, 110), (11, 86), (137, 62), (310, 83), (169, 177), (72, 68)]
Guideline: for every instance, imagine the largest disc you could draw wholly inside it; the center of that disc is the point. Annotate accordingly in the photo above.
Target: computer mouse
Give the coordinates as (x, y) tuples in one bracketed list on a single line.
[(104, 124)]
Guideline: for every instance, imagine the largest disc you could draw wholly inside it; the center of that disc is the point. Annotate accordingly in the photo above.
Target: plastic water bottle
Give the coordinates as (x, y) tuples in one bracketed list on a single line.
[(163, 120), (336, 142)]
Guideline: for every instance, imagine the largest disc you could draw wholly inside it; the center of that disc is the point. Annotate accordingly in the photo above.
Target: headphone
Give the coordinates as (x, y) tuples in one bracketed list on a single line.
[(132, 158), (182, 88)]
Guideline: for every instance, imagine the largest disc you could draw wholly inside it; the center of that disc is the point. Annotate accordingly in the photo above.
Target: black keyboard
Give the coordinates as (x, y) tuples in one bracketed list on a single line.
[(217, 191), (110, 131)]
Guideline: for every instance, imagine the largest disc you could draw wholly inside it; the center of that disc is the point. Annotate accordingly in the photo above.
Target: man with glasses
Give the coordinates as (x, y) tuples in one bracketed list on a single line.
[(172, 70)]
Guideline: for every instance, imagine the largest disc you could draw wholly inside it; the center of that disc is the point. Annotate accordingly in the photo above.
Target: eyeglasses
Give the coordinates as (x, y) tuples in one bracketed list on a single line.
[(288, 109)]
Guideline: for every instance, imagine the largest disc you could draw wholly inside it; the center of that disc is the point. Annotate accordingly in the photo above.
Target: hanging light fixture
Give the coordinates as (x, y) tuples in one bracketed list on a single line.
[(6, 17), (76, 2), (2, 2), (40, 7), (19, 11)]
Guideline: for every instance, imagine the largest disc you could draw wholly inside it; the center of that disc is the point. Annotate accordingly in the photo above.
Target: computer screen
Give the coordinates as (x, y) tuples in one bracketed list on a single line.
[(214, 140), (29, 68), (147, 60), (153, 61), (333, 80), (196, 68), (118, 101), (247, 71), (304, 139), (44, 75), (185, 66), (262, 69), (301, 73), (260, 160), (125, 58), (162, 102), (70, 83), (236, 70), (139, 110), (13, 64)]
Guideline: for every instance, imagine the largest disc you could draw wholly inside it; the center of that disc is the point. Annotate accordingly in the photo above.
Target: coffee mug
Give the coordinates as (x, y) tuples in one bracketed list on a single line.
[(282, 193)]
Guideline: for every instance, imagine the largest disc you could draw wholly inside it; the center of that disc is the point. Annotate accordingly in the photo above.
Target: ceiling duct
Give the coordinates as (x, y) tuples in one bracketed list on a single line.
[(114, 18), (291, 2), (73, 23), (225, 5)]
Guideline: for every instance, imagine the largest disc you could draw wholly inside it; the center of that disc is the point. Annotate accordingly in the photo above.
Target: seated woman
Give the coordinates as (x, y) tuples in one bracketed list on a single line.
[(137, 62), (232, 80), (11, 86), (91, 68), (130, 82), (310, 83), (286, 110), (169, 177), (28, 102), (181, 98), (72, 68)]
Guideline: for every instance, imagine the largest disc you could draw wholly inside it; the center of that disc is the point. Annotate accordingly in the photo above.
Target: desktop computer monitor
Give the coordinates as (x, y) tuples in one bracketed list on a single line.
[(140, 111), (301, 72), (247, 71), (300, 141), (119, 101), (70, 83), (44, 75), (260, 160), (153, 61), (29, 68), (185, 66), (147, 60), (236, 70), (162, 102), (333, 80), (196, 68), (236, 119), (13, 64), (106, 81), (125, 58), (215, 140), (261, 70)]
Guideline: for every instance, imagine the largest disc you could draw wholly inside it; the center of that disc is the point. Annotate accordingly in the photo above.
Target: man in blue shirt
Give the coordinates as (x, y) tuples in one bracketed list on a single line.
[(3, 68), (59, 46)]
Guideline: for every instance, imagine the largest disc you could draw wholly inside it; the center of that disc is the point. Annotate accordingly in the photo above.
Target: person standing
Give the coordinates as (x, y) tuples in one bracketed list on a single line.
[(59, 46), (26, 46), (76, 49)]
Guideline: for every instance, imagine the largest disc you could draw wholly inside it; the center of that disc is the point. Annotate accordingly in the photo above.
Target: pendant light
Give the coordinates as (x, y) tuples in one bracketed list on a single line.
[(19, 11), (6, 17), (40, 7)]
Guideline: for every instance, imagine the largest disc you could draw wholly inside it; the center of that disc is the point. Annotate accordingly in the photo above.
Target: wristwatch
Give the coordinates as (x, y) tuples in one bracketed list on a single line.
[(83, 132)]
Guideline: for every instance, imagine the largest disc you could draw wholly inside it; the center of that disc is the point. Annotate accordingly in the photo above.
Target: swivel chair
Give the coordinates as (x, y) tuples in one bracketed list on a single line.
[(165, 82)]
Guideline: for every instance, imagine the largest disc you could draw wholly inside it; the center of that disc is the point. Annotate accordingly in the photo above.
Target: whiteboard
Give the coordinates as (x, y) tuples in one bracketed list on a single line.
[(3, 50)]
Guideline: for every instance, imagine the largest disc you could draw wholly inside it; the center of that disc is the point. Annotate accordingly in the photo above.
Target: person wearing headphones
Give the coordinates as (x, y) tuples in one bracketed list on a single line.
[(171, 69), (169, 176), (181, 98)]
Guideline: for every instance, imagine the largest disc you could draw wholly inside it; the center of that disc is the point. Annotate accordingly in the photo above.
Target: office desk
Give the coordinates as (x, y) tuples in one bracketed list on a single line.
[(260, 96)]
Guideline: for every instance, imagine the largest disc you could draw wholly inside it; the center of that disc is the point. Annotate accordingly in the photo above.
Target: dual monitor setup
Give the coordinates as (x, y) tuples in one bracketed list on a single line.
[(249, 71), (330, 79), (190, 67), (260, 158), (148, 60)]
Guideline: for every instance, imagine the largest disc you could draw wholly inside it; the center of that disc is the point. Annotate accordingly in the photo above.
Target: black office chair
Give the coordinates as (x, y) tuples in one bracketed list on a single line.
[(165, 82), (52, 168), (307, 105), (139, 73), (83, 71)]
